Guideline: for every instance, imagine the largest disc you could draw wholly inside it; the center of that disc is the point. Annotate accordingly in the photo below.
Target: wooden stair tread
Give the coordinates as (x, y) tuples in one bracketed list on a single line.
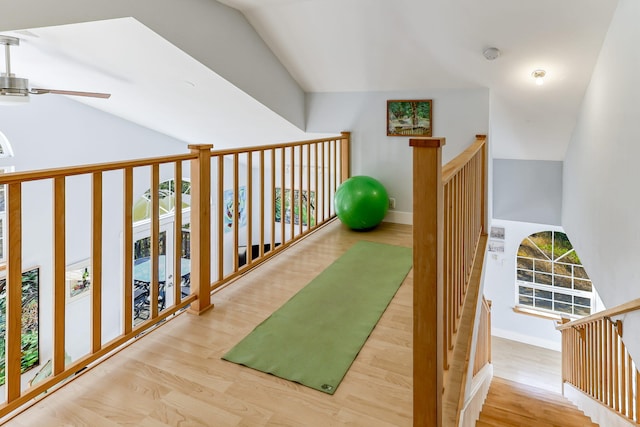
[(513, 404)]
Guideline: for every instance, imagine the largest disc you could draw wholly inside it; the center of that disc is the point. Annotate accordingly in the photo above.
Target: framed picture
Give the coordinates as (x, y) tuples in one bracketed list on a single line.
[(307, 217), (496, 246), (497, 233), (229, 211), (30, 321), (409, 117), (78, 280)]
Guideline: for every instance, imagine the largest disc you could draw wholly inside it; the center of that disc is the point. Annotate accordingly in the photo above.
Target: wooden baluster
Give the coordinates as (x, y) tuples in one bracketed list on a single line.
[(59, 271), (13, 300), (310, 226), (249, 207), (273, 200), (292, 203), (154, 283), (262, 200), (177, 233), (629, 385), (96, 262), (235, 221), (616, 369), (221, 214), (127, 251), (345, 153), (284, 193), (445, 281)]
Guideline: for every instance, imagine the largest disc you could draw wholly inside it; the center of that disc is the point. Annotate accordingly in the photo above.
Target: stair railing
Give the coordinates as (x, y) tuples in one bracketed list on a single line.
[(260, 196), (596, 361), (449, 228)]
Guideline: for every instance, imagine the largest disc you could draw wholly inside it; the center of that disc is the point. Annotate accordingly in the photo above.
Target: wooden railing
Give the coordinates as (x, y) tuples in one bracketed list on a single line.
[(483, 348), (281, 192), (596, 361), (449, 221)]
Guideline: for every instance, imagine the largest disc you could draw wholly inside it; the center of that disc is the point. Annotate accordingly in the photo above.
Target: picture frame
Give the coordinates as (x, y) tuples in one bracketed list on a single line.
[(78, 280), (30, 336), (497, 233), (496, 246), (409, 117)]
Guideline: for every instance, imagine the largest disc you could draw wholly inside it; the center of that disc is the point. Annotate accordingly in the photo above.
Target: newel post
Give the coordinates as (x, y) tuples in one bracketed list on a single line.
[(201, 228), (428, 248)]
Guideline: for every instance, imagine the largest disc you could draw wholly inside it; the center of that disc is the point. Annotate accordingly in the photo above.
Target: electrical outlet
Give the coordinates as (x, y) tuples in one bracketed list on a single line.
[(392, 203)]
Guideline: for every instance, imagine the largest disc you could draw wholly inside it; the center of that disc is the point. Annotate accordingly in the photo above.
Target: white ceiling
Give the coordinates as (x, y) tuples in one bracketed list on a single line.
[(342, 45), (383, 45), (152, 82)]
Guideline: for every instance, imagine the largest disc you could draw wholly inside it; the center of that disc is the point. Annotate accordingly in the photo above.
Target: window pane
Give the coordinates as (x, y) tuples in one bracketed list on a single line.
[(525, 291), (564, 308), (563, 297), (561, 245), (543, 303), (582, 301), (582, 311), (544, 279), (525, 263), (543, 241), (562, 269), (525, 276), (543, 294), (525, 300), (582, 285), (544, 266), (580, 272), (563, 282), (529, 249)]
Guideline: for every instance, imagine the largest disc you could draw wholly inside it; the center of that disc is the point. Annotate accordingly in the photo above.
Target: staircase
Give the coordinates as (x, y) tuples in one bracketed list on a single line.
[(514, 404)]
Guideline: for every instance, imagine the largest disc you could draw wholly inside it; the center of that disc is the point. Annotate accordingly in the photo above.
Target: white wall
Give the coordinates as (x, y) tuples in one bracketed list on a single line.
[(458, 115), (499, 287), (216, 25), (53, 131), (601, 173)]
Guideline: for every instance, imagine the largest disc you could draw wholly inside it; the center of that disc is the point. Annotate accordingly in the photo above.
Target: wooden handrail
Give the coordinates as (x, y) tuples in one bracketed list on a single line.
[(595, 361), (611, 312), (454, 165)]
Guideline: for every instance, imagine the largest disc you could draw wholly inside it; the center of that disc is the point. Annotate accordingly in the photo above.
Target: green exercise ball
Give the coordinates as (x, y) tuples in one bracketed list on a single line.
[(361, 202)]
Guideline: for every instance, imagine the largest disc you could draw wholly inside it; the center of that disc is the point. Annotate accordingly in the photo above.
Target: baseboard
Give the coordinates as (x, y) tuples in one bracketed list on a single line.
[(398, 217), (515, 336), (599, 413), (479, 389)]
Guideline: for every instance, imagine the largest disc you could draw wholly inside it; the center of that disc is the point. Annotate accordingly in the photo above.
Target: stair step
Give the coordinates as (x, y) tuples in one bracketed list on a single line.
[(512, 404)]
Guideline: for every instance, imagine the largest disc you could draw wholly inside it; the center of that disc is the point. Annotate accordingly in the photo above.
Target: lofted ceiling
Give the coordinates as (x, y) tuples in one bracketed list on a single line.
[(382, 45), (341, 46)]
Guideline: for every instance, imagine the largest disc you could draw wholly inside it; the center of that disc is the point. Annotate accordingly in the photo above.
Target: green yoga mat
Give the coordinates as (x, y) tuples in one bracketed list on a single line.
[(315, 336)]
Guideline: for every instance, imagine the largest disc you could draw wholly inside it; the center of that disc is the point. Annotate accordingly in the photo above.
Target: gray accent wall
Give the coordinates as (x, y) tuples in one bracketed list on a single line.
[(527, 191)]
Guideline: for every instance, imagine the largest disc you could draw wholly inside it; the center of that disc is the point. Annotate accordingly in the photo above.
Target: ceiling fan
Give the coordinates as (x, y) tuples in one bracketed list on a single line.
[(16, 90)]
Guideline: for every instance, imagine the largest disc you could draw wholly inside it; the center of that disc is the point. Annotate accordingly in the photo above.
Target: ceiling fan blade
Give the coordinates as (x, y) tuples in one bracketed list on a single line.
[(35, 91)]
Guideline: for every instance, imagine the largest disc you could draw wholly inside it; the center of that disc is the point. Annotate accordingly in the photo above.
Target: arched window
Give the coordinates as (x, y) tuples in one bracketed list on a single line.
[(550, 276), (166, 201), (5, 147)]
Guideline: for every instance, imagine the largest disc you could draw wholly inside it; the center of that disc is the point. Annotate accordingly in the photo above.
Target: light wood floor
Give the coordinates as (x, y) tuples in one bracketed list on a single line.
[(527, 364), (174, 376)]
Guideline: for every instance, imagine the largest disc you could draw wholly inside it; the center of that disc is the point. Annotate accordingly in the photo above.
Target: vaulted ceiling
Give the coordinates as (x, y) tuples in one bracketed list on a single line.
[(342, 46)]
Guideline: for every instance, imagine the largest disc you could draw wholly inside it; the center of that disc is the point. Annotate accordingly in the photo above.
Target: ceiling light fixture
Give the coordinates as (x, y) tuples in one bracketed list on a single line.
[(539, 76), (491, 53)]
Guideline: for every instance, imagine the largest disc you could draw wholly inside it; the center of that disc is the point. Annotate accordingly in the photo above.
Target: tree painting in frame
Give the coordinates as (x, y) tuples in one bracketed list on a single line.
[(78, 280), (409, 117), (30, 321)]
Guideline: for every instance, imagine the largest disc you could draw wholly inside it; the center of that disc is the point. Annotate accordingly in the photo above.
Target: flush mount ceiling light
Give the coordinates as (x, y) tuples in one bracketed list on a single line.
[(539, 76), (491, 53)]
